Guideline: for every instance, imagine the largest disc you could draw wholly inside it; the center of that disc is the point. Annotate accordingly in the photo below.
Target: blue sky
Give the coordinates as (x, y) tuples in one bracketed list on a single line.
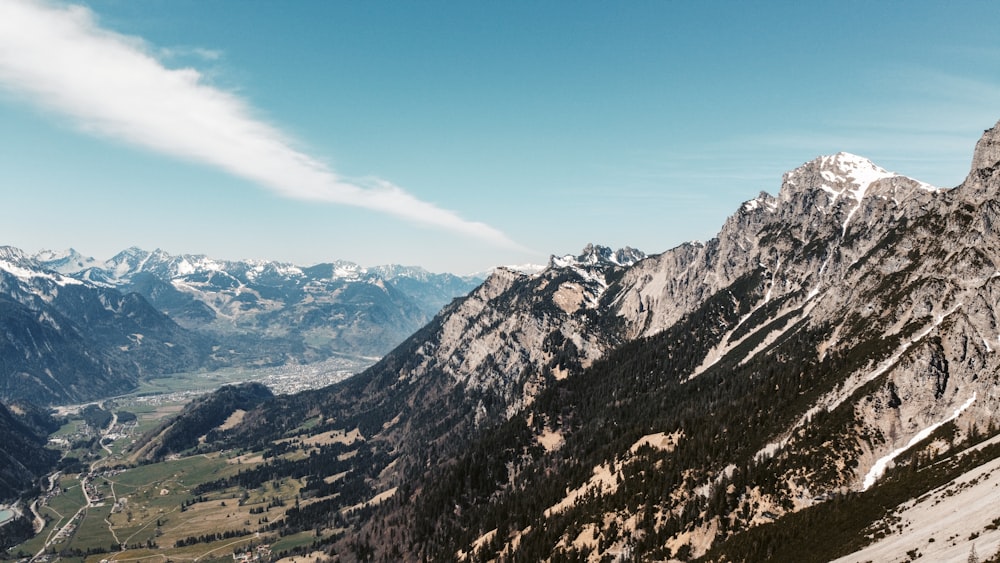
[(460, 135)]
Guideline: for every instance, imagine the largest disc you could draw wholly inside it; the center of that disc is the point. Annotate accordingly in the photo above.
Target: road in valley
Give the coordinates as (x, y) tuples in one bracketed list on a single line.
[(85, 480)]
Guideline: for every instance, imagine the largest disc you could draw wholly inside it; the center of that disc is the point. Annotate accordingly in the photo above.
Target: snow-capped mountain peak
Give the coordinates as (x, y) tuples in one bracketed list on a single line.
[(393, 271), (65, 261), (764, 200), (842, 188), (528, 269), (597, 255), (17, 263), (12, 255), (843, 175)]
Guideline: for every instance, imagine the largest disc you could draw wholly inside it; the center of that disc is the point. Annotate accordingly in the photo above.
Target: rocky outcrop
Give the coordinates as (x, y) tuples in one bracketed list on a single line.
[(987, 153), (516, 332)]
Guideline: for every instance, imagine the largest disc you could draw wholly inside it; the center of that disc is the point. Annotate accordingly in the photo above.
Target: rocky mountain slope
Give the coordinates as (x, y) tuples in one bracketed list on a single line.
[(789, 390), (278, 311)]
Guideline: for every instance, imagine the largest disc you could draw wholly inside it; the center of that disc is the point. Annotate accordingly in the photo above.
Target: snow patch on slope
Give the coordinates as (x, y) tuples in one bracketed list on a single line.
[(878, 469)]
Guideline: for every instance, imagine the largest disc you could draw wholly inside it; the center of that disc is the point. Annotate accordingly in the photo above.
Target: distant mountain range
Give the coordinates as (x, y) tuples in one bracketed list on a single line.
[(77, 328), (818, 381)]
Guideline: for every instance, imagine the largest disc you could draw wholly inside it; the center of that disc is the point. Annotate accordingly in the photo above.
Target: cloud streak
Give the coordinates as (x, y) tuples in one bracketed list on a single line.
[(60, 59)]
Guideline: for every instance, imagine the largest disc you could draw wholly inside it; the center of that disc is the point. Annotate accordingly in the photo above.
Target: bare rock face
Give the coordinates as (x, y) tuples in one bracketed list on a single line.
[(516, 332), (982, 185), (987, 153), (828, 212)]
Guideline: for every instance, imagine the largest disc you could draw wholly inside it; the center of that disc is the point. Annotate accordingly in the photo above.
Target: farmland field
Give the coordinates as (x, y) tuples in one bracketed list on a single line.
[(151, 511)]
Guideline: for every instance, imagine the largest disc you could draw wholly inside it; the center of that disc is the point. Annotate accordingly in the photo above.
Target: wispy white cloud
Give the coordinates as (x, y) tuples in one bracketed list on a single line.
[(199, 52), (59, 58)]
